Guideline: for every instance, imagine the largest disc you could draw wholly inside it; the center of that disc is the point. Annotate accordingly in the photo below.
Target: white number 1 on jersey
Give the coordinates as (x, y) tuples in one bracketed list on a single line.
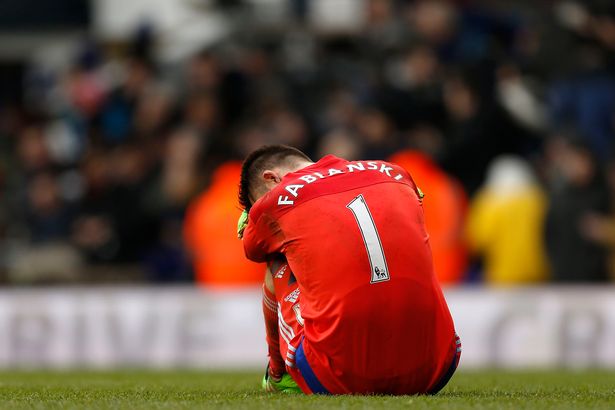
[(375, 253)]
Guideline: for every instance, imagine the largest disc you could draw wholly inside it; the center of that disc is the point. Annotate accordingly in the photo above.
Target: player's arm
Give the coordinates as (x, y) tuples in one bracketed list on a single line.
[(254, 248), (277, 367), (259, 239), (276, 379), (254, 242)]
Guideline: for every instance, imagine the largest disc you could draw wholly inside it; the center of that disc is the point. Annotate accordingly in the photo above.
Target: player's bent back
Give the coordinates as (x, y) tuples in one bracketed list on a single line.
[(375, 320)]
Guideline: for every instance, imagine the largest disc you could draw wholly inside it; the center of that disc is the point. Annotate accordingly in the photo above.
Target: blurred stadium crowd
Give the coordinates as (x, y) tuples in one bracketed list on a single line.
[(125, 169)]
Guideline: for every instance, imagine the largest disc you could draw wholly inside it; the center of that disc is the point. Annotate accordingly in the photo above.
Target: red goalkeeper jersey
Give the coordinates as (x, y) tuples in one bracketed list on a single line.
[(375, 319)]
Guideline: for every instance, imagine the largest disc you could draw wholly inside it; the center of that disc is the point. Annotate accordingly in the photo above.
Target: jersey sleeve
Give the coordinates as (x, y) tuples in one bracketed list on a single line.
[(260, 238)]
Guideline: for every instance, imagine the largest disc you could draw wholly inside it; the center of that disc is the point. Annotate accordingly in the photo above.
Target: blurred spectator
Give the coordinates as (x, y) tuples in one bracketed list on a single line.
[(119, 109), (414, 93), (445, 209), (48, 218), (135, 227), (340, 143), (45, 255), (383, 31), (584, 98), (286, 127), (577, 191), (587, 102), (462, 33), (435, 21), (201, 113), (377, 135), (102, 150), (517, 95), (179, 177), (32, 151), (210, 233), (477, 131), (600, 227), (154, 111), (505, 224)]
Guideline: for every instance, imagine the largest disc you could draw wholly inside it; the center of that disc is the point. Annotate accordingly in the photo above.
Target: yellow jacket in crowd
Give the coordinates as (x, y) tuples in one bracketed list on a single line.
[(505, 225)]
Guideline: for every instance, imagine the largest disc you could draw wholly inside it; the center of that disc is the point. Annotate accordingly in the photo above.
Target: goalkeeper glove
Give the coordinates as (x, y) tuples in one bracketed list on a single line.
[(286, 384), (242, 223)]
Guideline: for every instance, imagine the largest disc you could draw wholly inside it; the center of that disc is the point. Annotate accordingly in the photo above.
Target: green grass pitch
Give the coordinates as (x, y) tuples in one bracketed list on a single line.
[(193, 389)]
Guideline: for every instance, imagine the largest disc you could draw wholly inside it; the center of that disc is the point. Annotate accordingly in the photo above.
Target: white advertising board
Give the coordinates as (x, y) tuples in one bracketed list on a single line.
[(187, 327)]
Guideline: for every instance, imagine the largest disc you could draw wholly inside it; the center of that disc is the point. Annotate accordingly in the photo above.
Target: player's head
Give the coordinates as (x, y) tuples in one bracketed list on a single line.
[(264, 168)]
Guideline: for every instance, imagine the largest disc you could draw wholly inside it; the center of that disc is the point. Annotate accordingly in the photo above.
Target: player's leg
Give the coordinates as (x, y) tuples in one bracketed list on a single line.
[(304, 375), (451, 369), (281, 284)]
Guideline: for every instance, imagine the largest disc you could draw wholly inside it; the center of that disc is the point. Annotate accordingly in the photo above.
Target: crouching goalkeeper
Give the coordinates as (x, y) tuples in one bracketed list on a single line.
[(351, 302)]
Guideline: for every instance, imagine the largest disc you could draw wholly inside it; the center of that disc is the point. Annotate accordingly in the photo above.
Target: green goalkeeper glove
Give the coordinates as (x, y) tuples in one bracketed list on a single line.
[(242, 223), (286, 384)]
